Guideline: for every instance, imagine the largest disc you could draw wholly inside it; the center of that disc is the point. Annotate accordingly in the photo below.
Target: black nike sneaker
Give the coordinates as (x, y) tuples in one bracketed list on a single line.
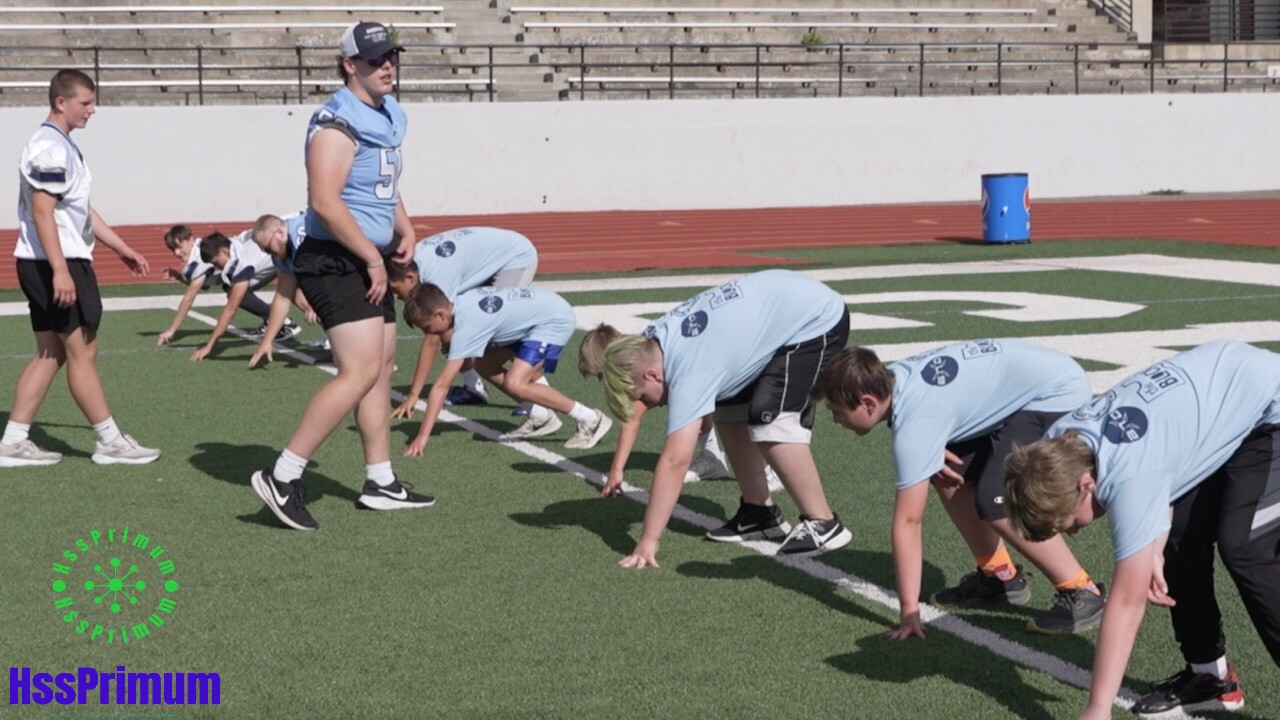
[(283, 499), (396, 496), (752, 522)]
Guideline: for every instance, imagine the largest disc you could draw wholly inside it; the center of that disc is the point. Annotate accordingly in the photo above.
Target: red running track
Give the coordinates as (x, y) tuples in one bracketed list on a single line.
[(629, 240)]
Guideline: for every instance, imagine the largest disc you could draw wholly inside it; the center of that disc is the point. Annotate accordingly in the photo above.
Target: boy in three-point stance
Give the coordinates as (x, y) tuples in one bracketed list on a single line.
[(955, 413), (1182, 456)]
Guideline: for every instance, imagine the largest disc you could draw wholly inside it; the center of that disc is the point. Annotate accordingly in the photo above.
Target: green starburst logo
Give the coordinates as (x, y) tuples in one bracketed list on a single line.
[(115, 586)]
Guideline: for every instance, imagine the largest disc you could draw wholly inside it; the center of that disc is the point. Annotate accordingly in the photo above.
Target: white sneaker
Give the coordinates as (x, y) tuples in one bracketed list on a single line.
[(125, 450), (26, 454), (706, 467), (532, 428), (588, 434)]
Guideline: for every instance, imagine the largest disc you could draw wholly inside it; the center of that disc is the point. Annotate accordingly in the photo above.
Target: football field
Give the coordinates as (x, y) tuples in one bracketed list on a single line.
[(504, 600)]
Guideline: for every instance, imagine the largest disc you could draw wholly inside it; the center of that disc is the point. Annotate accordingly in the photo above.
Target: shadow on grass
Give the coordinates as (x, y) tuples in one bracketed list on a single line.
[(753, 566), (612, 519), (234, 464), (888, 661)]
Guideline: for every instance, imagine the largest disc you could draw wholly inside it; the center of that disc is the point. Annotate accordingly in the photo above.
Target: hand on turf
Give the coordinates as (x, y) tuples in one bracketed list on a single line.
[(64, 290), (642, 557), (134, 261), (165, 337), (909, 625), (377, 285), (405, 409), (201, 353), (613, 485), (1158, 593), (947, 477), (416, 446), (264, 350)]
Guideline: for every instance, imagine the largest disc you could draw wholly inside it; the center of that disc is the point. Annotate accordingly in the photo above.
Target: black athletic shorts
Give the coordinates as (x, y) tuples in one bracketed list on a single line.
[(984, 456), (35, 277), (335, 282), (783, 387)]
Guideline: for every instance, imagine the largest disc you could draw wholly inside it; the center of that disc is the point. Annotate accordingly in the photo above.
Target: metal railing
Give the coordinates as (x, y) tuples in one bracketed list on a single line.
[(289, 75), (1221, 21)]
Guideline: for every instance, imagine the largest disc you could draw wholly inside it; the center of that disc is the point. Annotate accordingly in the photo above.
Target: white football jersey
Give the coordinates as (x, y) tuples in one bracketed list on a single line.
[(248, 262), (195, 266), (51, 162)]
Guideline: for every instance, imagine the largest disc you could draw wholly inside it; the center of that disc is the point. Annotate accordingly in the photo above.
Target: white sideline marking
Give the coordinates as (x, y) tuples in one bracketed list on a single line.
[(1016, 652)]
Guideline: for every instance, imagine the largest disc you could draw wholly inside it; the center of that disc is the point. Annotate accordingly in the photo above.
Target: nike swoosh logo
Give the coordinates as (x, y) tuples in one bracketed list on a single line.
[(402, 495), (746, 528), (280, 499)]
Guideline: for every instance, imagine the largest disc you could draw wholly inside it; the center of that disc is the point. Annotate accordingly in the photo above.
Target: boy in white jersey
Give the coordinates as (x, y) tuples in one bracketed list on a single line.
[(244, 268), (966, 405), (746, 352), (1182, 456), (525, 327), (198, 275), (456, 261), (56, 234)]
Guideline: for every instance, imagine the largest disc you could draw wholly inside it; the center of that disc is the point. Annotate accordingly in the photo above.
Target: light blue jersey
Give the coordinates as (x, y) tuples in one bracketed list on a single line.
[(371, 191), (458, 260), (490, 316), (1160, 432), (965, 390), (717, 343), (296, 231)]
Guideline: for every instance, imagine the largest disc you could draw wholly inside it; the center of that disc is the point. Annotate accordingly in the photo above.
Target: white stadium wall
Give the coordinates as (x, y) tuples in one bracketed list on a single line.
[(189, 164)]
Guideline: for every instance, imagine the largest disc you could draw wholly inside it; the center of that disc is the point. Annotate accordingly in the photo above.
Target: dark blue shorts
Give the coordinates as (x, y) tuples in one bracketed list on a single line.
[(535, 351)]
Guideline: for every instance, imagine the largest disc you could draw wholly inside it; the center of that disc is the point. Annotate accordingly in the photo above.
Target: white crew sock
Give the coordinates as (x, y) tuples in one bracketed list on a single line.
[(289, 467), (380, 473), (582, 414), (1217, 668), (16, 432), (107, 431)]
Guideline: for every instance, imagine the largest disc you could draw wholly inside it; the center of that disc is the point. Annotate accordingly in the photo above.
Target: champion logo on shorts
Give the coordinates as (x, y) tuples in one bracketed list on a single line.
[(940, 371), (694, 325), (445, 249), (491, 304), (1125, 425)]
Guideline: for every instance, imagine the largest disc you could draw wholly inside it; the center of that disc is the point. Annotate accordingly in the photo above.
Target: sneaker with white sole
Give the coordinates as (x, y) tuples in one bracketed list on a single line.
[(463, 395), (284, 499), (26, 454), (588, 434), (396, 496), (534, 428), (815, 537), (124, 451), (1073, 611), (706, 467), (1188, 692), (288, 330), (752, 522)]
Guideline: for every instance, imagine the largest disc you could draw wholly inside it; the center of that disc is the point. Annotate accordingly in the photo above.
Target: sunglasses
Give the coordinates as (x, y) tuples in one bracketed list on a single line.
[(393, 57)]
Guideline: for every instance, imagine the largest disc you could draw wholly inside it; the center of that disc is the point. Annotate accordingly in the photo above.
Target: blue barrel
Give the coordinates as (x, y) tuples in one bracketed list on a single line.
[(1006, 208)]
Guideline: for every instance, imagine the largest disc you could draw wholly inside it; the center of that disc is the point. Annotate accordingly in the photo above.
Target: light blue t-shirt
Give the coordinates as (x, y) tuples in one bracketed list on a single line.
[(371, 191), (295, 230), (1159, 433), (458, 260), (968, 389), (491, 316), (715, 344)]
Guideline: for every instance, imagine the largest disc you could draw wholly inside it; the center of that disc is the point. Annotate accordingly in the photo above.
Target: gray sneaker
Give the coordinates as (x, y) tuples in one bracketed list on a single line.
[(26, 454), (124, 451), (588, 434), (1073, 611), (531, 428), (706, 467)]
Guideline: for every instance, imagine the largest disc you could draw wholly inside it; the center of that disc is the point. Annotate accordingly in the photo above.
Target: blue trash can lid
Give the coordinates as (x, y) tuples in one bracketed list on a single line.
[(1000, 175)]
